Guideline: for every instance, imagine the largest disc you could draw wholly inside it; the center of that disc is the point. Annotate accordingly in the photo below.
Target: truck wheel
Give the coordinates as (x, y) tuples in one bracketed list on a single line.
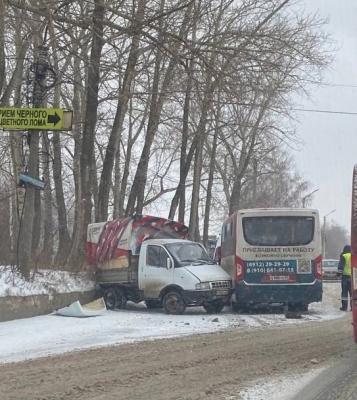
[(213, 308), (151, 304), (173, 303), (121, 299), (110, 298), (114, 298)]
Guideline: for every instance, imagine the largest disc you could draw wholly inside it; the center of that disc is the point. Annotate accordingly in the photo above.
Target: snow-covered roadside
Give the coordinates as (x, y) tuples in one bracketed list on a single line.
[(50, 334), (42, 282), (284, 387)]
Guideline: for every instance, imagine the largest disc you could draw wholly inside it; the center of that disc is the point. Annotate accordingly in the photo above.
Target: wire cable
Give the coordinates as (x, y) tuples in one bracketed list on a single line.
[(324, 111)]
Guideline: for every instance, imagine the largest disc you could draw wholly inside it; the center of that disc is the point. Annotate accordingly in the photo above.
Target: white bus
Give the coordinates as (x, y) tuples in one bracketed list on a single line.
[(273, 256)]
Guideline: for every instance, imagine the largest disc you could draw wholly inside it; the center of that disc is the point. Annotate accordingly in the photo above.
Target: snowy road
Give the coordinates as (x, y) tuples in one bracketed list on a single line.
[(48, 335), (217, 366)]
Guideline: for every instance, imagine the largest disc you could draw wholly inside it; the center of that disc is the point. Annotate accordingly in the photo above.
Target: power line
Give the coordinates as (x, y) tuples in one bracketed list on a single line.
[(344, 85), (324, 111)]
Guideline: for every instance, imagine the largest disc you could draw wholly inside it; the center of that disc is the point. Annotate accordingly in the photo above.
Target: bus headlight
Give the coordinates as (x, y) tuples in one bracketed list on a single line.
[(203, 286)]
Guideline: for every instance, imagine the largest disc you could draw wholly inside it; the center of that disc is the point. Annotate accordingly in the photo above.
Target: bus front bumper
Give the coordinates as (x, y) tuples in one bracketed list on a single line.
[(303, 293)]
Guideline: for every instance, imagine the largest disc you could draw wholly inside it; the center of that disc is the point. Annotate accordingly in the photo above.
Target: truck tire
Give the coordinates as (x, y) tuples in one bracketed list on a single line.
[(213, 308), (110, 298), (114, 298), (121, 299), (152, 304), (174, 303)]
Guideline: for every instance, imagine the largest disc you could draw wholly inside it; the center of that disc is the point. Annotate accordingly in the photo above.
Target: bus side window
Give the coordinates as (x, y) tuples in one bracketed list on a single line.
[(227, 243)]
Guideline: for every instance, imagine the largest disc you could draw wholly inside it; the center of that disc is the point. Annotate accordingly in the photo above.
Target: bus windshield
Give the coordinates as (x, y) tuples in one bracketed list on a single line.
[(278, 231)]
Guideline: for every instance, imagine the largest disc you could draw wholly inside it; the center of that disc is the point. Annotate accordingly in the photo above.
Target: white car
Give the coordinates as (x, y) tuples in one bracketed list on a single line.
[(330, 269)]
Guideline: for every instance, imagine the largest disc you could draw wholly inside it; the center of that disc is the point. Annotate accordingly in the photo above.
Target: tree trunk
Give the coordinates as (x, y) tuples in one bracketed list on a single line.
[(130, 143), (77, 137), (48, 231), (179, 198), (212, 164), (37, 222), (2, 46), (117, 187), (122, 106), (28, 236), (197, 168), (136, 197), (137, 193), (64, 240), (87, 145)]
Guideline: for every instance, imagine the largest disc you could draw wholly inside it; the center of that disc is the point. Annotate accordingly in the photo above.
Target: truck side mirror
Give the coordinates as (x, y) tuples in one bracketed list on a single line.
[(168, 263)]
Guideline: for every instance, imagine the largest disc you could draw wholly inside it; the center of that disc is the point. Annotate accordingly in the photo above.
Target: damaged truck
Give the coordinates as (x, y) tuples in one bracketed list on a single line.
[(150, 258)]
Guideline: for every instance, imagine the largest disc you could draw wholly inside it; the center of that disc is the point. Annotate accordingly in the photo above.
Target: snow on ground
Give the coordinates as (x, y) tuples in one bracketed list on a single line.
[(51, 334), (42, 282), (284, 387)]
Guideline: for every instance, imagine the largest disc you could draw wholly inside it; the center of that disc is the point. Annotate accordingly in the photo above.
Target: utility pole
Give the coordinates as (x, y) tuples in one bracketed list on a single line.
[(324, 234), (27, 203)]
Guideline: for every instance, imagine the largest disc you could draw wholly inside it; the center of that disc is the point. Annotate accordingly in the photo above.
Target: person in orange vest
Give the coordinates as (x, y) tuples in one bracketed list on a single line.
[(344, 270)]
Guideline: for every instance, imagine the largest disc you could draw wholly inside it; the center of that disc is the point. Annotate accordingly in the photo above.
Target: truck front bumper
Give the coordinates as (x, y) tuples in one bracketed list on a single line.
[(200, 297)]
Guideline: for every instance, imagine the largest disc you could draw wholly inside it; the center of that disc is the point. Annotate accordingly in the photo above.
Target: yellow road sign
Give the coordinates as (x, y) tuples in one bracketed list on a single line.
[(47, 119)]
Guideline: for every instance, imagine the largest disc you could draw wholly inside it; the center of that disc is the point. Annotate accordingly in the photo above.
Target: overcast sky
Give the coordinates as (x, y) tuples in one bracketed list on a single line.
[(329, 141)]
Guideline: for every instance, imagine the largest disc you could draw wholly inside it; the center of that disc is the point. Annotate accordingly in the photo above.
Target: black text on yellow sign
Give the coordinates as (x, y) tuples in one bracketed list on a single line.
[(35, 118)]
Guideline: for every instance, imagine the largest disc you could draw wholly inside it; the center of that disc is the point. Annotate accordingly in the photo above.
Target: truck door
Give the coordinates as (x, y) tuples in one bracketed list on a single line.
[(157, 271)]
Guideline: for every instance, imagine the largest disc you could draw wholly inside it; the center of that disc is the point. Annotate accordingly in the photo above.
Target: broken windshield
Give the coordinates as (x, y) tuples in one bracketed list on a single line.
[(188, 254)]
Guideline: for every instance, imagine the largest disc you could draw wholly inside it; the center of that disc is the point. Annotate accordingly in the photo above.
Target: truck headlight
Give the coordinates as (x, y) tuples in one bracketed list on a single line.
[(203, 286)]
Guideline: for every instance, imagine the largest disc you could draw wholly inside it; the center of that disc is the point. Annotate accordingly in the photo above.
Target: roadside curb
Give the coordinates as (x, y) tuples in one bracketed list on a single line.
[(16, 307)]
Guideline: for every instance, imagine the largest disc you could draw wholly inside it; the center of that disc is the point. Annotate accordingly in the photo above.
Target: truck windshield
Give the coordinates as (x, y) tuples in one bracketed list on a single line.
[(188, 254), (278, 231)]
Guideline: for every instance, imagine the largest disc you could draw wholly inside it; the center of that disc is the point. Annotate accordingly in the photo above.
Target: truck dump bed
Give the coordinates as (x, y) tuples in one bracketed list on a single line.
[(113, 247)]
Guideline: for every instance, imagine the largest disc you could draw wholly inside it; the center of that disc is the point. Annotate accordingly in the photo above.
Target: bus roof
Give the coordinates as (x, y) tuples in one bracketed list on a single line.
[(292, 211)]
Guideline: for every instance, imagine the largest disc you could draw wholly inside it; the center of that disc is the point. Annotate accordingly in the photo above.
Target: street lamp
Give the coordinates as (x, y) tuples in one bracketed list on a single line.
[(307, 196), (324, 233)]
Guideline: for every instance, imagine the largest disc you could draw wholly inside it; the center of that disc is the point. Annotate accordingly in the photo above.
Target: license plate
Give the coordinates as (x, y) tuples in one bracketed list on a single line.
[(221, 292), (278, 278)]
